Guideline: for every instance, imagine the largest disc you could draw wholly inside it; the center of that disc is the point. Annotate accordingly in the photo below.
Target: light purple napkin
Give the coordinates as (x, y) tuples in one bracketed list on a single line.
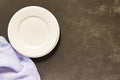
[(14, 66)]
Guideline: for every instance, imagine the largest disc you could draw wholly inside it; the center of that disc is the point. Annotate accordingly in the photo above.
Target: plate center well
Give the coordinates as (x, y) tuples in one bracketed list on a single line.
[(33, 31)]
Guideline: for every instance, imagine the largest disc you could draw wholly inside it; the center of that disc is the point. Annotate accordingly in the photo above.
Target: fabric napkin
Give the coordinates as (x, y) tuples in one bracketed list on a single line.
[(14, 66)]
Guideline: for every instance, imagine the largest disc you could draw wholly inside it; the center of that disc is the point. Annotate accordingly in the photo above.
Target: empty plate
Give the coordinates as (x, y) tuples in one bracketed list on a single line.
[(33, 31)]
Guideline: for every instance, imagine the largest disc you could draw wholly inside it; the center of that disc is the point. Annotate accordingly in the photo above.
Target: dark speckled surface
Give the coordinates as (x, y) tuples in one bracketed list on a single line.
[(89, 47)]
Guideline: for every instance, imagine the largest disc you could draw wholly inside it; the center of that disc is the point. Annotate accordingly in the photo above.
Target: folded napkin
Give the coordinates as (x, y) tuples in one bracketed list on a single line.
[(14, 66)]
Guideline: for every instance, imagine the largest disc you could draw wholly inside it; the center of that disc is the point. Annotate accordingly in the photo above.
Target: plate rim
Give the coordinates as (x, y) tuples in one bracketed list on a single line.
[(23, 53)]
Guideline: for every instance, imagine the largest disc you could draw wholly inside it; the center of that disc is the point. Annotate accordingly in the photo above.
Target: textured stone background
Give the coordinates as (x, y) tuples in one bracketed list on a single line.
[(89, 47)]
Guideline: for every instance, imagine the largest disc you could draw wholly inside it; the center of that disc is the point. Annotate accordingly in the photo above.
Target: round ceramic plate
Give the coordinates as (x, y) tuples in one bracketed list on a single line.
[(33, 31)]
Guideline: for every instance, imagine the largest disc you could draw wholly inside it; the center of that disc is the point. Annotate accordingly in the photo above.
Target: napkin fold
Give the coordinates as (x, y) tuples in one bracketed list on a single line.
[(14, 66)]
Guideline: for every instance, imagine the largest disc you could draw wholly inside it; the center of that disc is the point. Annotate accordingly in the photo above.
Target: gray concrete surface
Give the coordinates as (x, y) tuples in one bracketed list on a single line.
[(89, 47)]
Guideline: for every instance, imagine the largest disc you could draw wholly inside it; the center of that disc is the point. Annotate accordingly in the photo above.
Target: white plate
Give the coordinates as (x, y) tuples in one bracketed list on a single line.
[(33, 31)]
